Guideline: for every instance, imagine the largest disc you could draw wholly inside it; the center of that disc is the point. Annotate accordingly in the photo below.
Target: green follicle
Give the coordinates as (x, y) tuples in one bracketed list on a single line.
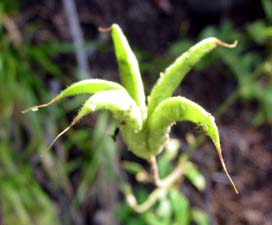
[(176, 109), (89, 86), (121, 105), (174, 74), (128, 66), (181, 109)]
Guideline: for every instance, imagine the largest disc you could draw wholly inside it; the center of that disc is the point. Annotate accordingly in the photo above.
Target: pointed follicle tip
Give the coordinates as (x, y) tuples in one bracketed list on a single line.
[(62, 132), (33, 109), (226, 171), (37, 107), (227, 45), (104, 29)]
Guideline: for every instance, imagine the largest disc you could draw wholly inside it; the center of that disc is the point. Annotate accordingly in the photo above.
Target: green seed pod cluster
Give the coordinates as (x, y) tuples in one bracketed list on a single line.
[(145, 126)]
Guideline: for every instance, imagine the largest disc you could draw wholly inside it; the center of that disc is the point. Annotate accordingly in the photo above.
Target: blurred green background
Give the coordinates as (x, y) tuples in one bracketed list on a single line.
[(47, 45)]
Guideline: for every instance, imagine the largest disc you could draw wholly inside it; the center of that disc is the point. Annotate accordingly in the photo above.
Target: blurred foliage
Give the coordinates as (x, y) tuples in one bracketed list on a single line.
[(32, 178), (172, 207), (35, 184), (250, 62), (251, 65), (22, 198)]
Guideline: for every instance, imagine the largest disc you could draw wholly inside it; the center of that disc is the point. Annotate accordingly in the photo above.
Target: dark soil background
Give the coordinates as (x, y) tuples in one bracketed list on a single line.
[(152, 26)]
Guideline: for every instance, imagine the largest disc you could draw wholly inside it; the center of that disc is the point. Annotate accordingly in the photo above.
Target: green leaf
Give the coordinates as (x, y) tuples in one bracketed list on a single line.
[(153, 219), (176, 109), (164, 210), (133, 167), (123, 213), (128, 67), (260, 32), (89, 86), (181, 207), (200, 217), (122, 106), (174, 74), (193, 174)]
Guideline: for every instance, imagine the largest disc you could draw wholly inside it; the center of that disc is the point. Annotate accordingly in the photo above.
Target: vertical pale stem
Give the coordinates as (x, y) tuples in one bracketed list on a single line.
[(76, 33)]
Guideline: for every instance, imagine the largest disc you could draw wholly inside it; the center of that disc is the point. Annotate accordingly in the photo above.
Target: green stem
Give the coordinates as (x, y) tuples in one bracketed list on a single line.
[(160, 191), (148, 203), (171, 179)]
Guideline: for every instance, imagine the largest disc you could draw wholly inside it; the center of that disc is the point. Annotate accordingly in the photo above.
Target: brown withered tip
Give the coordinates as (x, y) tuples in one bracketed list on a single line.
[(226, 171), (37, 107), (104, 29), (75, 120), (232, 45)]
